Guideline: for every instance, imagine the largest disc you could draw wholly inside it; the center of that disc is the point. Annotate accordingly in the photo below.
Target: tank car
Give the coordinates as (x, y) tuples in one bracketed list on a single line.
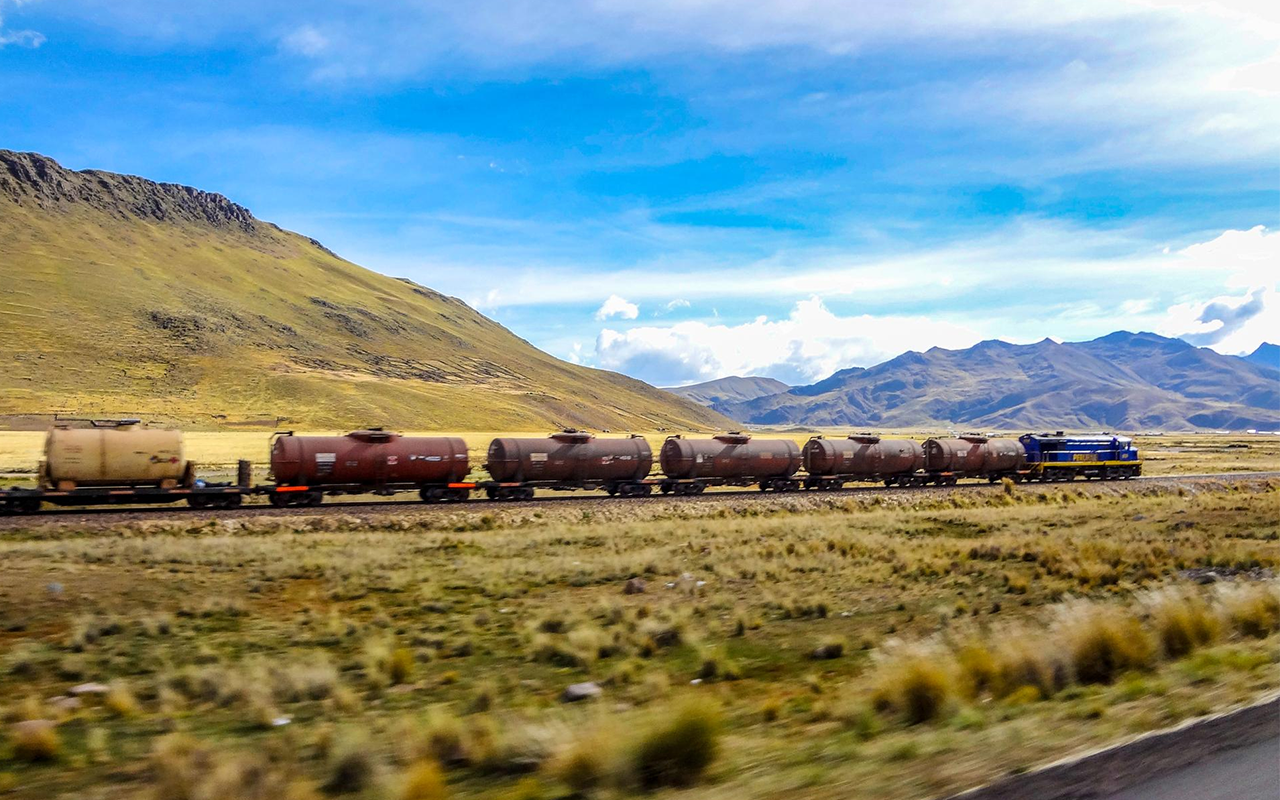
[(830, 463), (733, 459), (305, 468), (946, 460), (114, 454), (568, 460)]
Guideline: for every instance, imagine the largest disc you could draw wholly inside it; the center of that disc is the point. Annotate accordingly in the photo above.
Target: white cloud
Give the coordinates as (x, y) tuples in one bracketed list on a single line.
[(672, 306), (808, 345), (21, 38), (616, 306), (1245, 261), (306, 41)]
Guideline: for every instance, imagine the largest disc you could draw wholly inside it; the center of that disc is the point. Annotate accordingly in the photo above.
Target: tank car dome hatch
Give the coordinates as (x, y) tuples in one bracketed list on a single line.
[(573, 435), (733, 437)]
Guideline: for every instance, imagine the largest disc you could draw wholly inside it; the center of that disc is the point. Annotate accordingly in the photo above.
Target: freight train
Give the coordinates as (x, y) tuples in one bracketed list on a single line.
[(121, 462)]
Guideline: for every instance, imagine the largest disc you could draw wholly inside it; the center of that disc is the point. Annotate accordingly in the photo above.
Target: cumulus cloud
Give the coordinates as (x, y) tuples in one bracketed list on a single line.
[(809, 344), (616, 306), (1230, 323)]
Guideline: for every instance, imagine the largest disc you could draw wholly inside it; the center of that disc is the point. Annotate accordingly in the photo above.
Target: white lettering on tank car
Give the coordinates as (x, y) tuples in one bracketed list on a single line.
[(537, 458)]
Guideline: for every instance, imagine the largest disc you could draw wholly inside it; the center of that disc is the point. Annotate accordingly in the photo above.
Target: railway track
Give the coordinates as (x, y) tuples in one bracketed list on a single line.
[(109, 515)]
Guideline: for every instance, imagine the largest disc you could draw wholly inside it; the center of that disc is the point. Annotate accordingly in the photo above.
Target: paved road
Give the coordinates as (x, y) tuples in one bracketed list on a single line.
[(1249, 773)]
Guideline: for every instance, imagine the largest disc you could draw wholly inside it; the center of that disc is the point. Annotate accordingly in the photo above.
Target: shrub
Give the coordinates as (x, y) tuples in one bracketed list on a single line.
[(916, 686), (523, 746), (177, 763), (352, 765), (830, 647), (979, 670), (716, 665), (678, 750), (424, 781), (1024, 661), (35, 740), (400, 665), (771, 709), (587, 762), (120, 701), (1101, 642), (1182, 621), (1253, 610), (441, 737)]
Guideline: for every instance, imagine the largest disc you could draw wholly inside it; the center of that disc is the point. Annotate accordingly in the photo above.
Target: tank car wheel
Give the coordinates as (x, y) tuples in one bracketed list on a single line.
[(525, 494), (23, 506), (312, 499), (613, 490), (457, 495), (233, 501), (431, 495), (665, 488), (278, 500)]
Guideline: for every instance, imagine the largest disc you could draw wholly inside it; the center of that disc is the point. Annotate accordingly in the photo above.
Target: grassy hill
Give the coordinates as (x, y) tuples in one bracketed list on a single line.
[(125, 296)]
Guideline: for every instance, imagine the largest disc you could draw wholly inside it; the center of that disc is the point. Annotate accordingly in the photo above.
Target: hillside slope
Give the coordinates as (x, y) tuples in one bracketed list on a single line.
[(125, 296), (1122, 381), (732, 389)]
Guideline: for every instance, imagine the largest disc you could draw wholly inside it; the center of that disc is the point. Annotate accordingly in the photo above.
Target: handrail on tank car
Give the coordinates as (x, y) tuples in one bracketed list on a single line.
[(100, 423)]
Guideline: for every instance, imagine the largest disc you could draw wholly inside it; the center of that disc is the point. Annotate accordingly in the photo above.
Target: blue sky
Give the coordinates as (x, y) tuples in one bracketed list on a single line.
[(684, 190)]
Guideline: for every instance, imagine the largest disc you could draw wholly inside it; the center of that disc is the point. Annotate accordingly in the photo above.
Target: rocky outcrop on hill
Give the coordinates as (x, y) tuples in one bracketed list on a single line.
[(30, 178)]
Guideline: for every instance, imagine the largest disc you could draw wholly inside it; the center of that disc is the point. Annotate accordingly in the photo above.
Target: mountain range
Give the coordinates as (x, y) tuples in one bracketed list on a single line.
[(123, 296), (1123, 381), (733, 389)]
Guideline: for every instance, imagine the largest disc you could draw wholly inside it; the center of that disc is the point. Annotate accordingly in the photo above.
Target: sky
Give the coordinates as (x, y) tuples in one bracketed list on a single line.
[(686, 190)]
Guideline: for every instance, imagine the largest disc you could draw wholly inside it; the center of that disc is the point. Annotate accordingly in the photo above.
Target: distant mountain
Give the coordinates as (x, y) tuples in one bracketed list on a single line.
[(733, 389), (123, 296), (1267, 355), (1123, 381)]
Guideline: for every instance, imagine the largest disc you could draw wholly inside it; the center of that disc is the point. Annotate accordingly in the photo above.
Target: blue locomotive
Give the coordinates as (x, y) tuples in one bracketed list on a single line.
[(1054, 457)]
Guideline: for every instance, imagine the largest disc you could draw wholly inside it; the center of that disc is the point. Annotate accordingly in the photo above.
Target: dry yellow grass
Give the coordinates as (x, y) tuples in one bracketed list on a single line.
[(275, 637)]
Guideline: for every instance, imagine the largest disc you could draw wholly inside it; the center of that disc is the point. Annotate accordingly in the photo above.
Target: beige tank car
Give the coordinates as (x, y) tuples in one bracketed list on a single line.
[(118, 453)]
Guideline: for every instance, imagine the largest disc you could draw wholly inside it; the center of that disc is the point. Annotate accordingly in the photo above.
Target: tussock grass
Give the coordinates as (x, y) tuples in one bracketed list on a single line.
[(35, 740), (1182, 620), (1101, 641), (677, 749), (916, 684), (423, 781), (275, 637)]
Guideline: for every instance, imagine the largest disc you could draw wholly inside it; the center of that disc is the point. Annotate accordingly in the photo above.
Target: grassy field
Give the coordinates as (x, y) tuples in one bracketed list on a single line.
[(218, 451), (816, 648)]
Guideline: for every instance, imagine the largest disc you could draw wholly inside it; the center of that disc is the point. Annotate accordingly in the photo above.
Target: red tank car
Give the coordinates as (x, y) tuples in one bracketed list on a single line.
[(732, 458), (831, 462), (369, 461), (973, 457), (572, 459)]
